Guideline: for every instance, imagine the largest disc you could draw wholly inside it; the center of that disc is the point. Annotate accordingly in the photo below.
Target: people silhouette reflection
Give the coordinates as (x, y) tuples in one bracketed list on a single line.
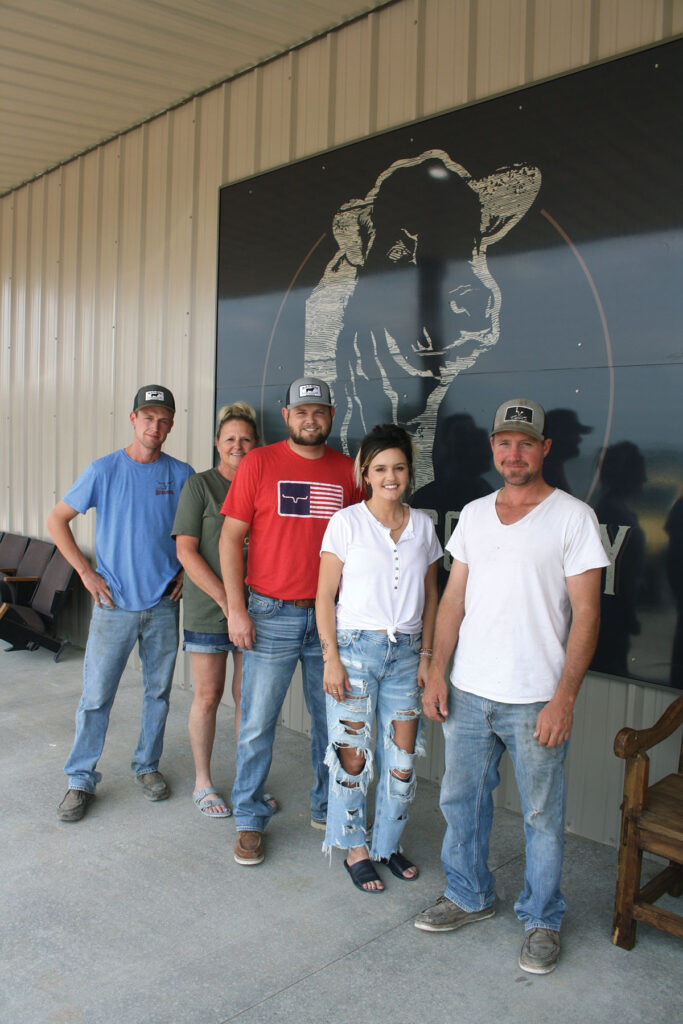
[(566, 431), (621, 478), (462, 455), (674, 571)]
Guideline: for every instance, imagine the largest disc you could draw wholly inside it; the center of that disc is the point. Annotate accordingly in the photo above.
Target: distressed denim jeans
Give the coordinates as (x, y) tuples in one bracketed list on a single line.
[(476, 732), (112, 636), (284, 635), (383, 677)]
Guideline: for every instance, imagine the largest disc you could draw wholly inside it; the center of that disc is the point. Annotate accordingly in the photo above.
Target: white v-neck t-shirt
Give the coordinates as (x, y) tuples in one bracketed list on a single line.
[(512, 641), (382, 583)]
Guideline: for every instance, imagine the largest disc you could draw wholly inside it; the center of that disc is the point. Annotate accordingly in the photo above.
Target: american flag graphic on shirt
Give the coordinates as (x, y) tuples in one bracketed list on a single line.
[(309, 499)]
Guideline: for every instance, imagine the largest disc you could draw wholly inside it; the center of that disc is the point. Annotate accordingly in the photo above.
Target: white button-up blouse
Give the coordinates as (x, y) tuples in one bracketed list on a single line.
[(382, 583)]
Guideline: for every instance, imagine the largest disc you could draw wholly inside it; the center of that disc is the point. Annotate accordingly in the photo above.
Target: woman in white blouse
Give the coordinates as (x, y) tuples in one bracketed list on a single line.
[(381, 556)]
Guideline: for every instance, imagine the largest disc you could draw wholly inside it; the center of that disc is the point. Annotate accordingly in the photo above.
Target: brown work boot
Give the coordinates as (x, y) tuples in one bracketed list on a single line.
[(249, 848), (74, 805), (154, 785)]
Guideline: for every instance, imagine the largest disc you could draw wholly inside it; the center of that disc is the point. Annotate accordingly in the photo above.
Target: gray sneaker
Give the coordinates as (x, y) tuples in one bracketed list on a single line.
[(540, 951), (154, 785), (446, 916)]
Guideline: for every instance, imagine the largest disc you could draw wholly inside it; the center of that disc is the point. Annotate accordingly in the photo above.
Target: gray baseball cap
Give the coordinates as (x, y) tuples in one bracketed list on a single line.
[(308, 391), (521, 414)]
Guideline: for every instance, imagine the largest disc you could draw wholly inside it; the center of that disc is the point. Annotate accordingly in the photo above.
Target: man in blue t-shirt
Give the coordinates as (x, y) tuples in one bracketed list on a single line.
[(136, 588)]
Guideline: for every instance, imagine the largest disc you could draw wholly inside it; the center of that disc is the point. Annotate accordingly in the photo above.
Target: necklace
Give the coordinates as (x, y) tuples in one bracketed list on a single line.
[(391, 529)]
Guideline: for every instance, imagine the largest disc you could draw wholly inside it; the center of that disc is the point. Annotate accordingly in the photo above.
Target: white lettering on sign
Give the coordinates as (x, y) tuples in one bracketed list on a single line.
[(612, 549)]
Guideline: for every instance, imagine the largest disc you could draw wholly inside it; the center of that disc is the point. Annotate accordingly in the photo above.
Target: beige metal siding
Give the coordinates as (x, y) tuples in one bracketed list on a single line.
[(108, 264)]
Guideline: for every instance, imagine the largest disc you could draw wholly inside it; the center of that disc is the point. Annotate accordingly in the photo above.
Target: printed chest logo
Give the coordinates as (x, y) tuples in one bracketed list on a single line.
[(163, 487), (309, 499)]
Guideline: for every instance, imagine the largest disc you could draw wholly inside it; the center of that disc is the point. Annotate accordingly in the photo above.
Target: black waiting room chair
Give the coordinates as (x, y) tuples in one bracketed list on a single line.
[(32, 564), (12, 547), (31, 625)]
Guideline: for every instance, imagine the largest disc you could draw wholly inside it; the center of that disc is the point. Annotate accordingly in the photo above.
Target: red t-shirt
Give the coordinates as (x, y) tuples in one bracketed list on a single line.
[(287, 501)]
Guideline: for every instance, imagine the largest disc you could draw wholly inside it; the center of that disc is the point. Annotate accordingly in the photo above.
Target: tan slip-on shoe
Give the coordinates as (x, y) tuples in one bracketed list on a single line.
[(249, 848)]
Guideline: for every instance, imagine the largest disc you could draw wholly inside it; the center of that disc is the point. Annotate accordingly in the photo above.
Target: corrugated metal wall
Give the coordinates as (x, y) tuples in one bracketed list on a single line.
[(108, 264)]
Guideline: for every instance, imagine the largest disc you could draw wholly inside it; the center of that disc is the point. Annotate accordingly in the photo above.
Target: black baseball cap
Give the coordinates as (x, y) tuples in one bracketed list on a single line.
[(154, 394)]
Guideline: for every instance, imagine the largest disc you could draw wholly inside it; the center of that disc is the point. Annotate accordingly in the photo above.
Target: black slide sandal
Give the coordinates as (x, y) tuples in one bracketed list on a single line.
[(363, 871), (397, 864)]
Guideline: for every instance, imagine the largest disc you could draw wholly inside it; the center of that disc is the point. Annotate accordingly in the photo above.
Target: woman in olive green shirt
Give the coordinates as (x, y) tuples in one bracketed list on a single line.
[(196, 528)]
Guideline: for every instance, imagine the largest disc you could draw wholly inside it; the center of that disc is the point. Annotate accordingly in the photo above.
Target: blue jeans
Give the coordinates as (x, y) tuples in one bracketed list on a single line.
[(284, 635), (383, 677), (476, 732), (112, 636)]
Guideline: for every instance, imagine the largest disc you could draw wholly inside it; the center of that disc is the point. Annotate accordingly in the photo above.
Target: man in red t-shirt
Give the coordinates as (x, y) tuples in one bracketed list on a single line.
[(284, 495)]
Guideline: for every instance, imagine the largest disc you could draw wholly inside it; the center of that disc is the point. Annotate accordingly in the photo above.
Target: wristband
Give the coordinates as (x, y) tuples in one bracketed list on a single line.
[(426, 652)]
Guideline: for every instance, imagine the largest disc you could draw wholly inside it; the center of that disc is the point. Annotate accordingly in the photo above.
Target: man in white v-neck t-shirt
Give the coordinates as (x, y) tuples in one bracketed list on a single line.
[(521, 610)]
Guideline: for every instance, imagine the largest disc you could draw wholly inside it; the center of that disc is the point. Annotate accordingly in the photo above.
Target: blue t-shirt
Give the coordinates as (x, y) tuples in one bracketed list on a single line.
[(136, 504)]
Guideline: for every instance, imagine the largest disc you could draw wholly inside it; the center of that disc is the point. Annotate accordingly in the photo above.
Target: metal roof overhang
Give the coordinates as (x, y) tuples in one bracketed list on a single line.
[(74, 73)]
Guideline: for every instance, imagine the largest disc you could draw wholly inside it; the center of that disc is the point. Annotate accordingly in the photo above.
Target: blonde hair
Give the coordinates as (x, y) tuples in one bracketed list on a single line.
[(237, 411)]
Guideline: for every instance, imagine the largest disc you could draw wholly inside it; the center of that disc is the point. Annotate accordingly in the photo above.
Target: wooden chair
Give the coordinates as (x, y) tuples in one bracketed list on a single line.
[(652, 820)]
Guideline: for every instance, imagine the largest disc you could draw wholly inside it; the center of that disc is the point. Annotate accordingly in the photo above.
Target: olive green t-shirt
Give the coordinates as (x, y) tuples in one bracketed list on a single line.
[(199, 515)]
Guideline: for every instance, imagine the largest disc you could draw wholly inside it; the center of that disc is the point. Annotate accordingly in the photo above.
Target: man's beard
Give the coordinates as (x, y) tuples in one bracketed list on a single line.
[(520, 476), (303, 437)]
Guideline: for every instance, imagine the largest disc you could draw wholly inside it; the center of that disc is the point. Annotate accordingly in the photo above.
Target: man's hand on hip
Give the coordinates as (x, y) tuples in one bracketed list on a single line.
[(241, 629), (554, 723), (97, 586)]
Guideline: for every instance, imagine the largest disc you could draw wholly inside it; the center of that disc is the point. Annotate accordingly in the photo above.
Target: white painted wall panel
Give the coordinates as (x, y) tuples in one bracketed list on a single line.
[(497, 61), (397, 65), (133, 152), (446, 54), (561, 37), (209, 172), (276, 113), (243, 126), (108, 268), (50, 369), (7, 291), (673, 18), (313, 77), (622, 24), (355, 81)]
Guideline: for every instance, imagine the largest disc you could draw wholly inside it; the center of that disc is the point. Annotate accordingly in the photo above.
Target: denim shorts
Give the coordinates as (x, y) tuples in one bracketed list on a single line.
[(206, 643)]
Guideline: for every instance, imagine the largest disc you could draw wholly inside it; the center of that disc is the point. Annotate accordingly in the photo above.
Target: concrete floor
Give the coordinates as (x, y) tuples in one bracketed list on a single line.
[(138, 914)]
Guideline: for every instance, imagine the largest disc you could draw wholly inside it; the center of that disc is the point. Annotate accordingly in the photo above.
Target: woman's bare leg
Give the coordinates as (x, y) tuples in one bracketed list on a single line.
[(208, 673)]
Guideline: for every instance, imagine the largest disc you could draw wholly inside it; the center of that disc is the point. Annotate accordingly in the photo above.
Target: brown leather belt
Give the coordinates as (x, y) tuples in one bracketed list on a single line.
[(300, 602)]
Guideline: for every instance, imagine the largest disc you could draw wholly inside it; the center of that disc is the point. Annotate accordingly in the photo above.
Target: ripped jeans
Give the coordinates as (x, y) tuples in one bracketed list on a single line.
[(383, 676)]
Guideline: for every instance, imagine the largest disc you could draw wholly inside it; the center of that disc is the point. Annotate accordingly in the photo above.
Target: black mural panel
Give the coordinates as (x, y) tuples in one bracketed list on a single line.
[(528, 246)]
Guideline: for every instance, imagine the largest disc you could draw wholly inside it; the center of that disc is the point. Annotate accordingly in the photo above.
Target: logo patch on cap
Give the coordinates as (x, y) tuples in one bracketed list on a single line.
[(519, 413), (152, 396), (309, 391)]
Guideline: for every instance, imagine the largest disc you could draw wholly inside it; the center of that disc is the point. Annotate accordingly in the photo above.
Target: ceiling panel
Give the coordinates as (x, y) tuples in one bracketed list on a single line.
[(76, 72)]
